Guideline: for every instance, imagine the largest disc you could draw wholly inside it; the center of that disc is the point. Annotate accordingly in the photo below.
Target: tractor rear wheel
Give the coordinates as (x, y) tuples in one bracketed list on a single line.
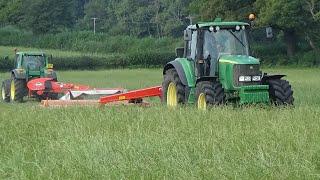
[(18, 90), (280, 92), (173, 90), (5, 90), (209, 94)]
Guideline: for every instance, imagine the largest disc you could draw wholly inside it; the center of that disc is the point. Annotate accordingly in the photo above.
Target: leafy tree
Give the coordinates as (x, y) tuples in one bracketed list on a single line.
[(313, 6), (312, 33), (45, 16), (287, 15), (11, 12), (227, 9), (95, 9)]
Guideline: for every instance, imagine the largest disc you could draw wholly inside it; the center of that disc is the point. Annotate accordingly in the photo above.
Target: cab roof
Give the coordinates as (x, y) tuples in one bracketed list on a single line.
[(31, 53), (218, 22)]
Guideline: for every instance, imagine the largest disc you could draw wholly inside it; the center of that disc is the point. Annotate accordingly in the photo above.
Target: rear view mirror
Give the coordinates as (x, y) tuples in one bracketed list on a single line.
[(179, 52), (187, 35)]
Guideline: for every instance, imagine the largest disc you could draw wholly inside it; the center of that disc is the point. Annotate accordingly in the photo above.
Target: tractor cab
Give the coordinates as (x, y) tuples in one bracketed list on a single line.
[(33, 64), (207, 43)]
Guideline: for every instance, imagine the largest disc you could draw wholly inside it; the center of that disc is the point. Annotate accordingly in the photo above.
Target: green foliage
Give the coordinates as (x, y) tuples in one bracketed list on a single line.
[(65, 25), (6, 64), (227, 9), (291, 16), (309, 59), (87, 42), (127, 17), (132, 60), (49, 15), (284, 14), (67, 60), (11, 12)]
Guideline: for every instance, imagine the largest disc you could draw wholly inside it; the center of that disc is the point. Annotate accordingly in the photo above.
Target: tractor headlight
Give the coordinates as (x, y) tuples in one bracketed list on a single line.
[(245, 78), (256, 78)]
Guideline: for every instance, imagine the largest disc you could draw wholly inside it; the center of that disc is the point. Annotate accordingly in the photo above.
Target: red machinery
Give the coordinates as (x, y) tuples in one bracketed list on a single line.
[(135, 96), (45, 86), (40, 86)]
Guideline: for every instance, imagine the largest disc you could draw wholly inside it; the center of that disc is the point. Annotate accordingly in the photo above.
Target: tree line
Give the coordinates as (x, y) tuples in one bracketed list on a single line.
[(296, 19)]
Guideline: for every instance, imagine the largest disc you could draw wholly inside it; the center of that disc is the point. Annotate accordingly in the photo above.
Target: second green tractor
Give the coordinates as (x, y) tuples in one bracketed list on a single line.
[(27, 66), (215, 67)]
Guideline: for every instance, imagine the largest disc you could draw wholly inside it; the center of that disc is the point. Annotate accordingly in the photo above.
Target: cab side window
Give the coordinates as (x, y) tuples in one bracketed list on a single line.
[(17, 61), (193, 45)]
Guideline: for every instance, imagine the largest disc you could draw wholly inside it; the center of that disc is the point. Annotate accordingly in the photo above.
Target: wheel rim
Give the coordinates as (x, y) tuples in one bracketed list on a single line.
[(202, 103), (3, 93), (172, 99), (12, 90)]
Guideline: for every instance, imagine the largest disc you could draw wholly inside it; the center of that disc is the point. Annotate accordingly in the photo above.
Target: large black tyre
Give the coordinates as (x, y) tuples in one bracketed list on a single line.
[(209, 94), (173, 91), (280, 92), (5, 90), (18, 89)]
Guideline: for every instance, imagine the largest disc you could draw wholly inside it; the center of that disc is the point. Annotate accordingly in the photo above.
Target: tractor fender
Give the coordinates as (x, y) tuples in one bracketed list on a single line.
[(18, 75), (266, 77), (178, 67), (207, 78)]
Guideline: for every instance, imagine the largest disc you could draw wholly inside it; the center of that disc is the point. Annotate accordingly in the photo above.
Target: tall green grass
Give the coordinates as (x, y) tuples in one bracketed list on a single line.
[(160, 143)]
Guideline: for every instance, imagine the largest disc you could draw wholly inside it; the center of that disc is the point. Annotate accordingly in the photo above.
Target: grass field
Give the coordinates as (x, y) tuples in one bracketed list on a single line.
[(161, 143)]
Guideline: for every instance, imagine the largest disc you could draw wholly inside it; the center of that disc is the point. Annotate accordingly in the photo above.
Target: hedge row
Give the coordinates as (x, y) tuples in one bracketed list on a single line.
[(86, 41), (151, 59), (138, 60)]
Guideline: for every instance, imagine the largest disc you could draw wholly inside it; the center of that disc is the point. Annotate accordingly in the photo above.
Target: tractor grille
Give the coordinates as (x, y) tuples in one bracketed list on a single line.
[(245, 70)]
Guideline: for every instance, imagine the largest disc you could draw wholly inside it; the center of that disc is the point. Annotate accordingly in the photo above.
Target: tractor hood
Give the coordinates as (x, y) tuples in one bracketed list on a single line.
[(238, 59)]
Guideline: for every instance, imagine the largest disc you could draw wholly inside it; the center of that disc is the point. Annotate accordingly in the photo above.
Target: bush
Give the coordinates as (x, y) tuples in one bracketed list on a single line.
[(6, 64), (269, 49), (86, 41), (141, 60), (308, 59)]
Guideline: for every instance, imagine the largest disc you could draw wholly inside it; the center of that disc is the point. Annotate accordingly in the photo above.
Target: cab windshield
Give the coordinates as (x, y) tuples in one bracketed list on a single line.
[(225, 42), (33, 63)]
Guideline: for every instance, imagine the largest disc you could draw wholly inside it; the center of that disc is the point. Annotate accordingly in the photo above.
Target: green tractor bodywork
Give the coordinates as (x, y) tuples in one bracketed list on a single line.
[(217, 54), (28, 65)]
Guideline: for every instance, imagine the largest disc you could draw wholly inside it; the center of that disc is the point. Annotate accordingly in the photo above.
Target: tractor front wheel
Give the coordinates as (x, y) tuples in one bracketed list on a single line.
[(209, 94), (280, 92), (18, 90), (5, 91), (173, 89)]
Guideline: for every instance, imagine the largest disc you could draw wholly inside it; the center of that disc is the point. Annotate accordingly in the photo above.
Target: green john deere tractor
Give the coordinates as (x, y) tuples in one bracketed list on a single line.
[(215, 67), (28, 65)]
